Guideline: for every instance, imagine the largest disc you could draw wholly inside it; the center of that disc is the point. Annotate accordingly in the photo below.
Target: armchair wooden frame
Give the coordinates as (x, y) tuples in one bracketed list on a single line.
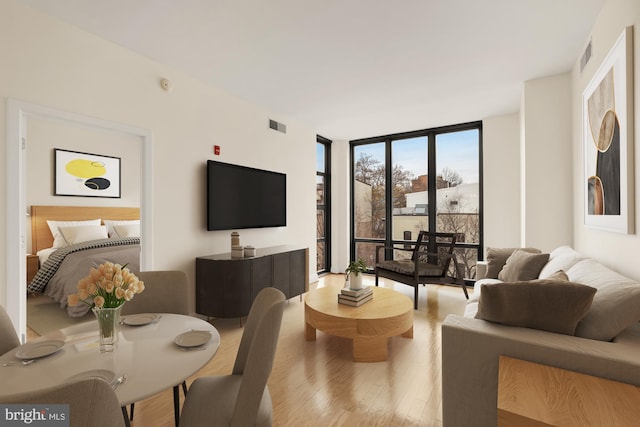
[(430, 261)]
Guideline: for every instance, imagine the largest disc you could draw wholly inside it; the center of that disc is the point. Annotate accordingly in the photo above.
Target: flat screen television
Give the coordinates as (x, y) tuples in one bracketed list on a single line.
[(243, 197)]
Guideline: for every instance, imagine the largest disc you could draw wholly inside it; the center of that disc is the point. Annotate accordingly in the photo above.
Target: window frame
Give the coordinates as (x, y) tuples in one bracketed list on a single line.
[(326, 207), (431, 135)]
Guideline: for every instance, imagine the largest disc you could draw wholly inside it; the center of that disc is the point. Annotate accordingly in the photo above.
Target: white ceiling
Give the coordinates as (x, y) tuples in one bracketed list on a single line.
[(352, 68)]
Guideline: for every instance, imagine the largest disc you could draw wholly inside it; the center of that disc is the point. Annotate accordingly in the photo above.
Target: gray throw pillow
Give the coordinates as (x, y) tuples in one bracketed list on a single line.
[(548, 305), (614, 309), (497, 257), (522, 266)]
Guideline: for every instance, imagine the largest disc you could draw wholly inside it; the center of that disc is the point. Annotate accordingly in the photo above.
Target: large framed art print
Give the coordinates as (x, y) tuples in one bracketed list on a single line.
[(607, 105), (86, 175)]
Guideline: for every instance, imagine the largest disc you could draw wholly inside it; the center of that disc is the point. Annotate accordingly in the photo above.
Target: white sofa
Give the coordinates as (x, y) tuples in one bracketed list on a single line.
[(471, 346)]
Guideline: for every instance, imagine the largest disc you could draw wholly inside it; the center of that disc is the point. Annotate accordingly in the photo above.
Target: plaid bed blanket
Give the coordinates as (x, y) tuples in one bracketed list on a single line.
[(51, 265)]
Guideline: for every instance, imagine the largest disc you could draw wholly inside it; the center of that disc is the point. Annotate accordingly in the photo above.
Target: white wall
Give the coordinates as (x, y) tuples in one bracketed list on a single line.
[(49, 63), (341, 208), (501, 173), (547, 168), (619, 251)]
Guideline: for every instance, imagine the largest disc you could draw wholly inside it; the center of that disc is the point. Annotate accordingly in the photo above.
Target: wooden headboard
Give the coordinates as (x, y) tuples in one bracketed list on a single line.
[(41, 237)]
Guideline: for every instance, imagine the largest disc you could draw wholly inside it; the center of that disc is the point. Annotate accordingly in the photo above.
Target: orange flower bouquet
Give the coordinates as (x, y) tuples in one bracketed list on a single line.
[(106, 288)]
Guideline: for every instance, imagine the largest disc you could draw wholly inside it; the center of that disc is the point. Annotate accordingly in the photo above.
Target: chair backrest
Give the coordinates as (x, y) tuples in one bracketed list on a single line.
[(439, 246), (164, 292), (256, 353), (263, 302), (8, 337), (92, 402)]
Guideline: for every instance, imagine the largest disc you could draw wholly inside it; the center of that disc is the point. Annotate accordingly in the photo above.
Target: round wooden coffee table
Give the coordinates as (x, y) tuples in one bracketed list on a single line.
[(388, 314)]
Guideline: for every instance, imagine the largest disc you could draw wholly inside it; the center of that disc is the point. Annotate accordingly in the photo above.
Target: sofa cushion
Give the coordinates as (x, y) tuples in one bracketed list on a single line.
[(616, 305), (561, 258), (497, 257), (477, 287), (558, 275), (471, 308), (548, 305), (522, 265)]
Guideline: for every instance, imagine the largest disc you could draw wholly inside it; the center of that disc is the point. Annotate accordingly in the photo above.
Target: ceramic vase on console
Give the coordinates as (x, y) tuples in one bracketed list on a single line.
[(108, 325)]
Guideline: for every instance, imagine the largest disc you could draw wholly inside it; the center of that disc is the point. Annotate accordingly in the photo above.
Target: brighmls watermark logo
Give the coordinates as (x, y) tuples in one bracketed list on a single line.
[(34, 415)]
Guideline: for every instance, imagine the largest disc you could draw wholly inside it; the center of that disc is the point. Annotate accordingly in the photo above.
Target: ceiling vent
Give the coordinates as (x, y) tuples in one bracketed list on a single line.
[(586, 56), (277, 126)]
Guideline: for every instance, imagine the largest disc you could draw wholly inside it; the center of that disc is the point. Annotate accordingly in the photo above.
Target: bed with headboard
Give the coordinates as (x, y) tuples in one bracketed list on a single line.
[(69, 240)]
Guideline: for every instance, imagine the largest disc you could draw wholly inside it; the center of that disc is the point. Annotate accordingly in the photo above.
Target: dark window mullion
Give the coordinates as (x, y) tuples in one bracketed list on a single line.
[(326, 206), (432, 182), (388, 237)]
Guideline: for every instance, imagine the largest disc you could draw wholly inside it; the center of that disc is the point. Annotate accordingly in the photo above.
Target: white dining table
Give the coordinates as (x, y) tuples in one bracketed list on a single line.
[(147, 355)]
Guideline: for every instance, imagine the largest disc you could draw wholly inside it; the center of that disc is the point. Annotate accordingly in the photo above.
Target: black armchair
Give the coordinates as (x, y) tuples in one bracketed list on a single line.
[(428, 261)]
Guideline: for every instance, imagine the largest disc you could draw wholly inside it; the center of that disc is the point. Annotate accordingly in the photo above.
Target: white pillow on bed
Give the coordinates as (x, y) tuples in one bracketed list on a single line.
[(112, 223), (85, 233), (58, 239), (128, 230)]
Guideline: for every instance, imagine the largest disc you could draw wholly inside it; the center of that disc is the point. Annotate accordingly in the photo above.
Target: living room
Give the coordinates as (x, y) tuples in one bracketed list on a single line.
[(59, 66)]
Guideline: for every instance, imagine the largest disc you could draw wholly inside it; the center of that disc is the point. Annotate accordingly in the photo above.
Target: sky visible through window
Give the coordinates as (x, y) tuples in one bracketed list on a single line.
[(319, 157), (457, 151)]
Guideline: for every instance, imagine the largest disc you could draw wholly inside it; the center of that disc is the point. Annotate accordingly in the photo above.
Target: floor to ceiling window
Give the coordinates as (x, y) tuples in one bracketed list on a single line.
[(323, 204), (423, 180), (368, 199)]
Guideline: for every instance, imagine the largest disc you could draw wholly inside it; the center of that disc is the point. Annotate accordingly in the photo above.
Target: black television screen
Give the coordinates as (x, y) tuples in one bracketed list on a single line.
[(243, 197)]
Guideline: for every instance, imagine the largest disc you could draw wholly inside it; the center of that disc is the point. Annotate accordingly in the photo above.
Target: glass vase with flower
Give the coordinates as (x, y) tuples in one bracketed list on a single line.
[(106, 288)]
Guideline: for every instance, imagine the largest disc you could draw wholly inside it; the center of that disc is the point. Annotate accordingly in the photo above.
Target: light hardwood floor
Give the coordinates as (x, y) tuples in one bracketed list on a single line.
[(316, 383)]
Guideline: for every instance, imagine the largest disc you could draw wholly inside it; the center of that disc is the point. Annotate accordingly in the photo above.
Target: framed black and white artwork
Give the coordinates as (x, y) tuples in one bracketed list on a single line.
[(85, 174)]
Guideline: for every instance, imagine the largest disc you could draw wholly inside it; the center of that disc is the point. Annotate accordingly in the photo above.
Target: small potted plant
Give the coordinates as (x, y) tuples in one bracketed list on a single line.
[(353, 271)]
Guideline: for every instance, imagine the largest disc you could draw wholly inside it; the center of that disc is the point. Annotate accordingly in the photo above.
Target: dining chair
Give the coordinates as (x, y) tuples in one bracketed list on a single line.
[(92, 402), (8, 336), (165, 292), (241, 398)]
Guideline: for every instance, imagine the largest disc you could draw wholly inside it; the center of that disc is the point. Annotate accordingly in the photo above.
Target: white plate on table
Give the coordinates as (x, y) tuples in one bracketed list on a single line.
[(141, 319), (104, 374), (35, 350), (193, 338)]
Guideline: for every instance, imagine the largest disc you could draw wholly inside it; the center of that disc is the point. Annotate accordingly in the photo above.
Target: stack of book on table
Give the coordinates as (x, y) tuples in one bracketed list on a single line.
[(355, 298)]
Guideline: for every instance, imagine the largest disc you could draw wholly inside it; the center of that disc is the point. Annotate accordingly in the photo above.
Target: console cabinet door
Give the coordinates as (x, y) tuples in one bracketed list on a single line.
[(298, 273), (261, 275), (223, 288), (281, 270)]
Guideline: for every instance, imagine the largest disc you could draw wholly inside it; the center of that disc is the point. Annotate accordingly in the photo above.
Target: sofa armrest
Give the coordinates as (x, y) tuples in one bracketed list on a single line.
[(470, 350), (481, 270)]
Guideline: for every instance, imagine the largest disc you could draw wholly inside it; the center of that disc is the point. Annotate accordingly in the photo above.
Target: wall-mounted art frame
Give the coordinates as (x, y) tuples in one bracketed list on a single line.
[(85, 174), (607, 106)]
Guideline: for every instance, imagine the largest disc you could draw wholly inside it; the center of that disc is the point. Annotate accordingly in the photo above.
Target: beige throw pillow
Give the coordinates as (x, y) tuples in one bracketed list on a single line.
[(615, 307), (548, 305), (497, 257), (84, 233), (128, 230), (522, 266), (58, 239)]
